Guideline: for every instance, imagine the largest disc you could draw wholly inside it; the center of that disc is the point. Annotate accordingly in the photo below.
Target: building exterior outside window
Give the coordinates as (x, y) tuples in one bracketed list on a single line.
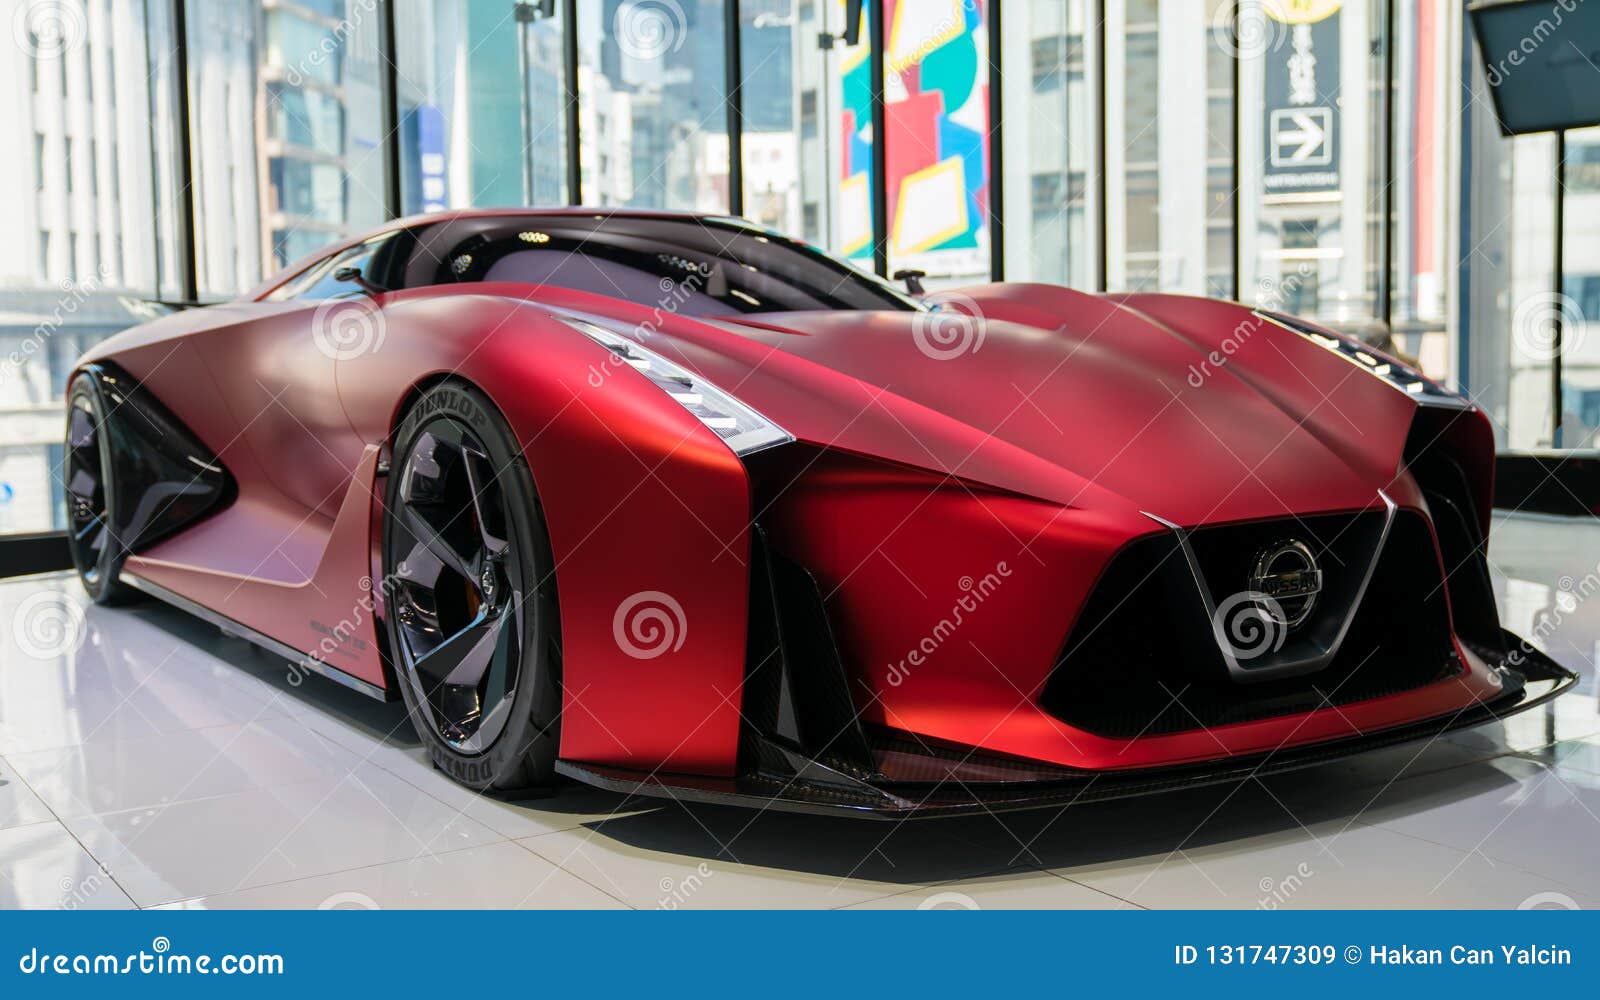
[(83, 198), (1049, 140), (287, 105), (472, 78), (652, 82)]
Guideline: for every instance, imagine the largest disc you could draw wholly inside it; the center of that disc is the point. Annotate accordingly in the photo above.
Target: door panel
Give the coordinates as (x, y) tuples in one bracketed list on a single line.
[(276, 374)]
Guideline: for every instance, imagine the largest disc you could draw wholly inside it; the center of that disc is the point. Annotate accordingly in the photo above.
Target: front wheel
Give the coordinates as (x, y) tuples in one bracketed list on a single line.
[(470, 594)]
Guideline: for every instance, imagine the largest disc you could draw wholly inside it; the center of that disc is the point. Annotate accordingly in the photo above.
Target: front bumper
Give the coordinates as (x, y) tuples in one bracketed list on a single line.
[(1534, 680)]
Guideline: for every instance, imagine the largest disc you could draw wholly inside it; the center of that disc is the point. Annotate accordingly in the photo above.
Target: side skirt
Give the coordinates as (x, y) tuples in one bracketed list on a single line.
[(301, 659)]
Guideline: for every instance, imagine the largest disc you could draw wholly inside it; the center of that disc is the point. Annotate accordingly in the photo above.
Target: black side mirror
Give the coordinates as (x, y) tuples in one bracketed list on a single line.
[(913, 279), (354, 275)]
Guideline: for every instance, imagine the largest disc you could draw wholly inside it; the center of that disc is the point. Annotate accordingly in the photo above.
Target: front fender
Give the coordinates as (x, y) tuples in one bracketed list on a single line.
[(646, 508)]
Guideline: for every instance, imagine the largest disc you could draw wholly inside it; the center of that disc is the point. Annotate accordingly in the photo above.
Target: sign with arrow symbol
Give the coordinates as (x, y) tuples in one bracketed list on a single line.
[(1300, 107), (1300, 137)]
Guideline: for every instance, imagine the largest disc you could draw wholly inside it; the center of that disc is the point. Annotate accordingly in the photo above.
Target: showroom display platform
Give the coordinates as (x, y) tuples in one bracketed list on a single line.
[(147, 760)]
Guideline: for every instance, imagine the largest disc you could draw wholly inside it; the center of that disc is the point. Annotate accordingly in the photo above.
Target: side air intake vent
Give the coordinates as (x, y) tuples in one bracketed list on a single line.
[(1458, 523), (797, 703)]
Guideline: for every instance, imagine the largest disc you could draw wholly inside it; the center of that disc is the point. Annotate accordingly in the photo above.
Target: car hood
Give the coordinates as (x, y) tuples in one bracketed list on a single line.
[(1108, 407)]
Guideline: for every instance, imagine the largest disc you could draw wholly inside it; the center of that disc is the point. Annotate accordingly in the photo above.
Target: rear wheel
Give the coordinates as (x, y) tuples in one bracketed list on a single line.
[(91, 498), (470, 594)]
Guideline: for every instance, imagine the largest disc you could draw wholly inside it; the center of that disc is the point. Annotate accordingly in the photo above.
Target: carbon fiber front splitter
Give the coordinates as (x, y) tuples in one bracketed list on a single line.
[(1535, 680)]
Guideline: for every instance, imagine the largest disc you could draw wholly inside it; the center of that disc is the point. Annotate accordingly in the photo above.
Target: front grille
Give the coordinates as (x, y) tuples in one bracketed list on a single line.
[(1142, 660)]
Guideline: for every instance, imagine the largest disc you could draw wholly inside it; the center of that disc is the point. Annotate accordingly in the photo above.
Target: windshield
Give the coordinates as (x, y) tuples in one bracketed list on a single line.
[(707, 266)]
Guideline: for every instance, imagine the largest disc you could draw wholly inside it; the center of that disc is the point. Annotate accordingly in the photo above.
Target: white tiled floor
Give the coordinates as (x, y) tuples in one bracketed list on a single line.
[(145, 760)]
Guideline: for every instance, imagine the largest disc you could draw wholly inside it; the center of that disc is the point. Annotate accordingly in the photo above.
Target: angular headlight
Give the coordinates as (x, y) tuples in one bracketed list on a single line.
[(741, 428), (1408, 380)]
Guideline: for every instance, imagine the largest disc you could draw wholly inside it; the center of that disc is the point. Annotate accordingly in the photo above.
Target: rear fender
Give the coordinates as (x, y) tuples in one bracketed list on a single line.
[(165, 478)]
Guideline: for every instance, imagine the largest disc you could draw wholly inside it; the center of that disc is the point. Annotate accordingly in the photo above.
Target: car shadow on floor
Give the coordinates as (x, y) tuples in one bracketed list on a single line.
[(922, 852), (383, 721), (926, 851)]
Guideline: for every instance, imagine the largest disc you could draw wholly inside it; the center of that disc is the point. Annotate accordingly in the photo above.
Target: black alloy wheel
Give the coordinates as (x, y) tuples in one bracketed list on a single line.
[(86, 474), (469, 594)]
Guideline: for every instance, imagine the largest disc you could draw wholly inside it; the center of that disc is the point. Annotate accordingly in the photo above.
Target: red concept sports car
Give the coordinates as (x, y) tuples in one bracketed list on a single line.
[(676, 505)]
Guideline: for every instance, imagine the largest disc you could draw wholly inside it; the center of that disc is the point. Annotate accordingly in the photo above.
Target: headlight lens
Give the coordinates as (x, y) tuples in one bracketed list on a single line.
[(1408, 380), (741, 428)]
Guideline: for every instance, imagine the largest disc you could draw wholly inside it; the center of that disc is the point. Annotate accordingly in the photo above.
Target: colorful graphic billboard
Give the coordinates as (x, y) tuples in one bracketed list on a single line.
[(936, 92)]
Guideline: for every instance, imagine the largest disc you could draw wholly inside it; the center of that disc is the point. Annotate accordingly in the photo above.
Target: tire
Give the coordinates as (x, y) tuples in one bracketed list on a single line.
[(89, 475), (469, 594)]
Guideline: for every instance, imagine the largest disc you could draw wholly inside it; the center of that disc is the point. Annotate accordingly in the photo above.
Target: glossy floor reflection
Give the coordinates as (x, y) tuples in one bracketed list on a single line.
[(146, 760)]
